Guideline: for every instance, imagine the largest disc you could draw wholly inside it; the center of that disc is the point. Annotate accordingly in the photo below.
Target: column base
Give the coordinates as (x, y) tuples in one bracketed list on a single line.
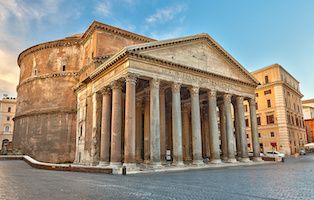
[(245, 160), (215, 161), (232, 160), (163, 162), (224, 159), (156, 165), (178, 164), (257, 159), (115, 165), (103, 164), (198, 162), (146, 162)]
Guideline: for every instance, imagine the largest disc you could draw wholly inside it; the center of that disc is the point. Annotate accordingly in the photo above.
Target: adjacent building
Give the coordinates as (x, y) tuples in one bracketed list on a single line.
[(279, 111), (112, 97), (7, 112), (308, 113)]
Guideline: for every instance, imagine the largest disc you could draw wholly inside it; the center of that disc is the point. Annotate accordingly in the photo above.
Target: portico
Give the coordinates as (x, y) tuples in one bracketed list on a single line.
[(184, 96)]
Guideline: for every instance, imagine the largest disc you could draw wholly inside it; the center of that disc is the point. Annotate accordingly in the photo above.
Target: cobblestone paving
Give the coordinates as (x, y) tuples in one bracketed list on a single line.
[(293, 179)]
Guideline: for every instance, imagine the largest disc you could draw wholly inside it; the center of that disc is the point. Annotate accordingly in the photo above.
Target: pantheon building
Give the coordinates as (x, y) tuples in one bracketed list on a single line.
[(110, 97)]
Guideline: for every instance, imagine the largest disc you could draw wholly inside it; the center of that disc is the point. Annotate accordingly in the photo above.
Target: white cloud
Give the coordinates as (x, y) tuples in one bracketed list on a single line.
[(103, 8), (19, 18), (22, 10), (166, 14), (174, 33)]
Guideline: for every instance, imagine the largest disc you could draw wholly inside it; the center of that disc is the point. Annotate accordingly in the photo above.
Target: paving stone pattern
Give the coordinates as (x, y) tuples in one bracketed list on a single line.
[(293, 179)]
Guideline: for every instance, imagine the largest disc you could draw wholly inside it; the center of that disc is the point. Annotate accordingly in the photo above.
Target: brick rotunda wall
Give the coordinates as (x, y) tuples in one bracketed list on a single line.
[(46, 103)]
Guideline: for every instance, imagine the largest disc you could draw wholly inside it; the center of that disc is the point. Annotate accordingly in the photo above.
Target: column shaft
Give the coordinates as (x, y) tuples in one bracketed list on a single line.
[(130, 114), (139, 131), (196, 126), (96, 128), (242, 131), (254, 130), (162, 125), (115, 157), (237, 131), (154, 123), (186, 133), (223, 132), (176, 124), (146, 130), (206, 131), (229, 128), (105, 127), (213, 127)]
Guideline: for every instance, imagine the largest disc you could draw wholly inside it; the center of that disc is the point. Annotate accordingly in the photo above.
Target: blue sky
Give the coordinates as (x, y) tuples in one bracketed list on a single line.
[(257, 33)]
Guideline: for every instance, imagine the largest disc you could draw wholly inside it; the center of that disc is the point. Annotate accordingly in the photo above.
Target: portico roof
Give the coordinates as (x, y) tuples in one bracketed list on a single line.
[(141, 48)]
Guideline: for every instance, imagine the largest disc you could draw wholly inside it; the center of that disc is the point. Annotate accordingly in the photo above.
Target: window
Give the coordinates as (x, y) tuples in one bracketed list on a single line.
[(63, 68), (8, 118), (268, 103), (256, 105), (249, 145), (9, 109), (258, 120), (259, 135), (266, 80), (7, 129), (35, 72), (292, 120), (272, 134), (245, 108), (81, 130), (247, 122), (256, 94), (297, 120), (266, 92), (270, 119), (247, 135)]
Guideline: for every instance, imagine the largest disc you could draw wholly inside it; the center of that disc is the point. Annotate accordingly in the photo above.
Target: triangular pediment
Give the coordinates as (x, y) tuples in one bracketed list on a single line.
[(199, 54)]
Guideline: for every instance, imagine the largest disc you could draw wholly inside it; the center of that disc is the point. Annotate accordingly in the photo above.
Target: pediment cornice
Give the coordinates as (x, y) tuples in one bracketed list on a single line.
[(184, 40)]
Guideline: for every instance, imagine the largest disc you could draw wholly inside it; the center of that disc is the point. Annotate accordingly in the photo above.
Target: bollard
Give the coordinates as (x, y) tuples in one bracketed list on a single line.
[(123, 170), (282, 160)]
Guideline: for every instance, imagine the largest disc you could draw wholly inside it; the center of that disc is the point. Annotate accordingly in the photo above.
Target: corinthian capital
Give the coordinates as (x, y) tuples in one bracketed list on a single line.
[(106, 91), (252, 101), (211, 94), (131, 78), (116, 84), (194, 90), (239, 100), (176, 87), (154, 83), (227, 98)]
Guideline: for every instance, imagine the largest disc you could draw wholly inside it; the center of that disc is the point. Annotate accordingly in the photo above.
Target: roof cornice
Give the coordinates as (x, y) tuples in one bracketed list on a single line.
[(46, 45), (100, 26), (70, 41)]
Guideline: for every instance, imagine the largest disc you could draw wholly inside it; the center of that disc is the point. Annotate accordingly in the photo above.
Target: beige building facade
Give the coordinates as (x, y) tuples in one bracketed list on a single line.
[(134, 100), (308, 113), (7, 112), (279, 111)]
